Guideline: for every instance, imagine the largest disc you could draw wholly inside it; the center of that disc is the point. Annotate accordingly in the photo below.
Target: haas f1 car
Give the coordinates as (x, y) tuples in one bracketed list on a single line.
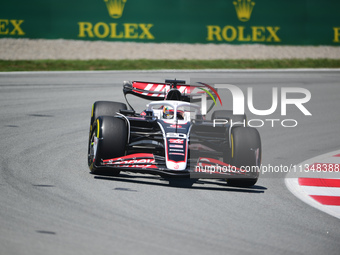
[(171, 137)]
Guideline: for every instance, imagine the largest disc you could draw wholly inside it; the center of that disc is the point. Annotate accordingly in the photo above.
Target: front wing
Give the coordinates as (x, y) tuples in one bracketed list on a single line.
[(152, 164)]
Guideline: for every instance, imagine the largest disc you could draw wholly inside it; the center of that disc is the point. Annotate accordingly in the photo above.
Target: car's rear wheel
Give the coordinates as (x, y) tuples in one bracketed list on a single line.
[(245, 154), (108, 140)]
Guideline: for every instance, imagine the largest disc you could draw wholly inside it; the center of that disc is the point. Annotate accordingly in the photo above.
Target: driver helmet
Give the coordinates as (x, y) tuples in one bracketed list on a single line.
[(167, 113)]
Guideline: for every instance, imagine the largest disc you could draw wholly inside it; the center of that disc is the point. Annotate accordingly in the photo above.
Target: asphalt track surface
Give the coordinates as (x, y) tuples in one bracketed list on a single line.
[(51, 204)]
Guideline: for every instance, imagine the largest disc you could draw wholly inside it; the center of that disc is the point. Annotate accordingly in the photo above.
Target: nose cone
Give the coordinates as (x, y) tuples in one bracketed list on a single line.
[(177, 166)]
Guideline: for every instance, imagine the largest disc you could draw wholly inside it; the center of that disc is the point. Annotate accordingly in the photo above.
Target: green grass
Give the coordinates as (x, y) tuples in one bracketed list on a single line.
[(144, 64)]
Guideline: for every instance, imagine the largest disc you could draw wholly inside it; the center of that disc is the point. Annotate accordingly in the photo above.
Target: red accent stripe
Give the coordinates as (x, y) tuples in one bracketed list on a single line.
[(184, 89), (337, 155), (318, 182), (140, 85), (131, 157), (154, 86), (326, 200), (324, 167)]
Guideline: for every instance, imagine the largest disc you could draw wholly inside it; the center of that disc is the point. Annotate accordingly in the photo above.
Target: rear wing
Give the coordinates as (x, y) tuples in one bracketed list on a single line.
[(159, 91), (155, 91)]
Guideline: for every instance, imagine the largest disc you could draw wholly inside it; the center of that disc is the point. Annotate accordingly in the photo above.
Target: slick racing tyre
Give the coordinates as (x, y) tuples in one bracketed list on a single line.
[(102, 108), (105, 108), (245, 154), (108, 140), (237, 120)]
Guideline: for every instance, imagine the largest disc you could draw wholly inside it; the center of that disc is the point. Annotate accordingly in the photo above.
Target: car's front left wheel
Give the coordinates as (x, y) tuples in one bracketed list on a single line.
[(245, 154), (107, 140)]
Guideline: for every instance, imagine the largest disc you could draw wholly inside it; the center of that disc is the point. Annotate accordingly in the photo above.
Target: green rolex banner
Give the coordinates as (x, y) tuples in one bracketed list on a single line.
[(305, 22)]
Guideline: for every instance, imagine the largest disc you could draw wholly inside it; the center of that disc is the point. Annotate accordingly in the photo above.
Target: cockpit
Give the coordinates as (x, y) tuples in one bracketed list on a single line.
[(173, 110)]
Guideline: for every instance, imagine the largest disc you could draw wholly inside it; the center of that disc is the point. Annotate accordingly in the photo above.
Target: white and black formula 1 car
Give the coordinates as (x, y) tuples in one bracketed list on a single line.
[(171, 137)]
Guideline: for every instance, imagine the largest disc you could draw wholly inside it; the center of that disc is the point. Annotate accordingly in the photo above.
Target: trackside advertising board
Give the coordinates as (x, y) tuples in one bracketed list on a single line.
[(304, 22)]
